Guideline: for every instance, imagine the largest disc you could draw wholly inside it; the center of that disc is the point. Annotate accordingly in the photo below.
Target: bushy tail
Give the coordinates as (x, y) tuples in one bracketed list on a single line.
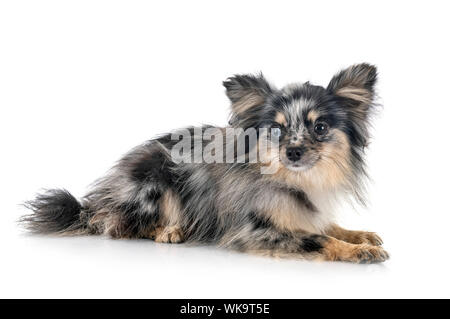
[(55, 211)]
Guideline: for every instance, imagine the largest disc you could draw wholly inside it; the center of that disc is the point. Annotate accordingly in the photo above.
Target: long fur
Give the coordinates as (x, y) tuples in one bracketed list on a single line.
[(288, 213)]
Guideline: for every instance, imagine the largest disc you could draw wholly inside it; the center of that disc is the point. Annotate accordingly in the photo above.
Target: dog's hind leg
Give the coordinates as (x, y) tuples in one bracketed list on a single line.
[(136, 199), (169, 230)]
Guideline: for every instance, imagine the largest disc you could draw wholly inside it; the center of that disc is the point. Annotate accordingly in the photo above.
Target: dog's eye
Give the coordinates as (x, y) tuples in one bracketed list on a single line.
[(276, 131), (321, 128)]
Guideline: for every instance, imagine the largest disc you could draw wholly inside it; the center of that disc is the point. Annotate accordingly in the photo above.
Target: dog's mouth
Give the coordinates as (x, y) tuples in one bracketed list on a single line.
[(300, 166)]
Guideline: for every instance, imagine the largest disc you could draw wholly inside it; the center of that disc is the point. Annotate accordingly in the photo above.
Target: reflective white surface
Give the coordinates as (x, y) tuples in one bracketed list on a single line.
[(95, 267), (85, 267)]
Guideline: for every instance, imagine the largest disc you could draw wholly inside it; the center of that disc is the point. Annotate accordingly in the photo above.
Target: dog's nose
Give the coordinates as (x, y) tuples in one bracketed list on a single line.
[(294, 153)]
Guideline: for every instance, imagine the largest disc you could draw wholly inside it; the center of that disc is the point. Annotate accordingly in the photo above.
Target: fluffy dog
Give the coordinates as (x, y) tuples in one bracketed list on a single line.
[(321, 134)]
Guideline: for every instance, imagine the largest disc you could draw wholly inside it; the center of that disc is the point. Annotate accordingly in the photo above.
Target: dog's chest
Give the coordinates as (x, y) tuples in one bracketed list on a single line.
[(297, 210)]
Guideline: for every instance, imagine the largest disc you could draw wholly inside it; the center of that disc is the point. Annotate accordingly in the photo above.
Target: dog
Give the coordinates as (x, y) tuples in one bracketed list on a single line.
[(319, 136)]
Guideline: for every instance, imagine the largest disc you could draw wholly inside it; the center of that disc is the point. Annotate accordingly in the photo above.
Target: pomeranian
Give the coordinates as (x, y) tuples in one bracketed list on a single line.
[(267, 184)]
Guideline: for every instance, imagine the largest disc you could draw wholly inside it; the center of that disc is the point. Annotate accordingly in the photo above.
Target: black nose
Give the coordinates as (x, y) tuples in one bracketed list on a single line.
[(294, 153)]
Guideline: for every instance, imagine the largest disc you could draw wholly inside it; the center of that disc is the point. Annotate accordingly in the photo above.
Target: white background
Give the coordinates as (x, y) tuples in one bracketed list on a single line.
[(81, 82)]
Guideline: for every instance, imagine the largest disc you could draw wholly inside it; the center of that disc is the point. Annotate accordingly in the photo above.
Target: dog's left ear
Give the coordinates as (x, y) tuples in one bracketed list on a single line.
[(355, 87), (246, 92)]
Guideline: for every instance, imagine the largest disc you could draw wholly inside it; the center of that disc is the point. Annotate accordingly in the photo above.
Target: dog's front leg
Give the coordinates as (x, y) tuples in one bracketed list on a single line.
[(353, 236), (303, 245)]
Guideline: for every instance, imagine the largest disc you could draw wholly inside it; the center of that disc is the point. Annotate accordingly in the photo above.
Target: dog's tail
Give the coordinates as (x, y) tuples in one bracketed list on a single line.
[(54, 211)]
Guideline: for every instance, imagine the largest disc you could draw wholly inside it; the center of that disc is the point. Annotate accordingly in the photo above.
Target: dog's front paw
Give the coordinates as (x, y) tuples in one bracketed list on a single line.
[(337, 250), (368, 238), (354, 236), (370, 254)]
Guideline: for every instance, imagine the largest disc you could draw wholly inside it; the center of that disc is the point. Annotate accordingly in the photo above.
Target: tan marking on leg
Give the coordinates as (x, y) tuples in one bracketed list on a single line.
[(170, 208), (168, 234), (170, 230), (354, 236), (337, 250)]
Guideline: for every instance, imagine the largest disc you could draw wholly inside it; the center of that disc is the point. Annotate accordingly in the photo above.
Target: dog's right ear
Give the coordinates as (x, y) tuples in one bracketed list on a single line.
[(246, 92)]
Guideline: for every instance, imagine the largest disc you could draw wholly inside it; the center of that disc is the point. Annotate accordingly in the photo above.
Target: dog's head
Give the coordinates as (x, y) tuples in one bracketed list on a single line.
[(322, 131)]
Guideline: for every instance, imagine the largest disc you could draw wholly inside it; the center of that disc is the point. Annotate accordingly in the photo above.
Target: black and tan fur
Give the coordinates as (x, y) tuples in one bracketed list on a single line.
[(290, 213)]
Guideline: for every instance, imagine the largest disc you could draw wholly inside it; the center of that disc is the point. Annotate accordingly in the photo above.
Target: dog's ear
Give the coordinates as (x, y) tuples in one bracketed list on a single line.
[(356, 84), (355, 87), (246, 92)]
